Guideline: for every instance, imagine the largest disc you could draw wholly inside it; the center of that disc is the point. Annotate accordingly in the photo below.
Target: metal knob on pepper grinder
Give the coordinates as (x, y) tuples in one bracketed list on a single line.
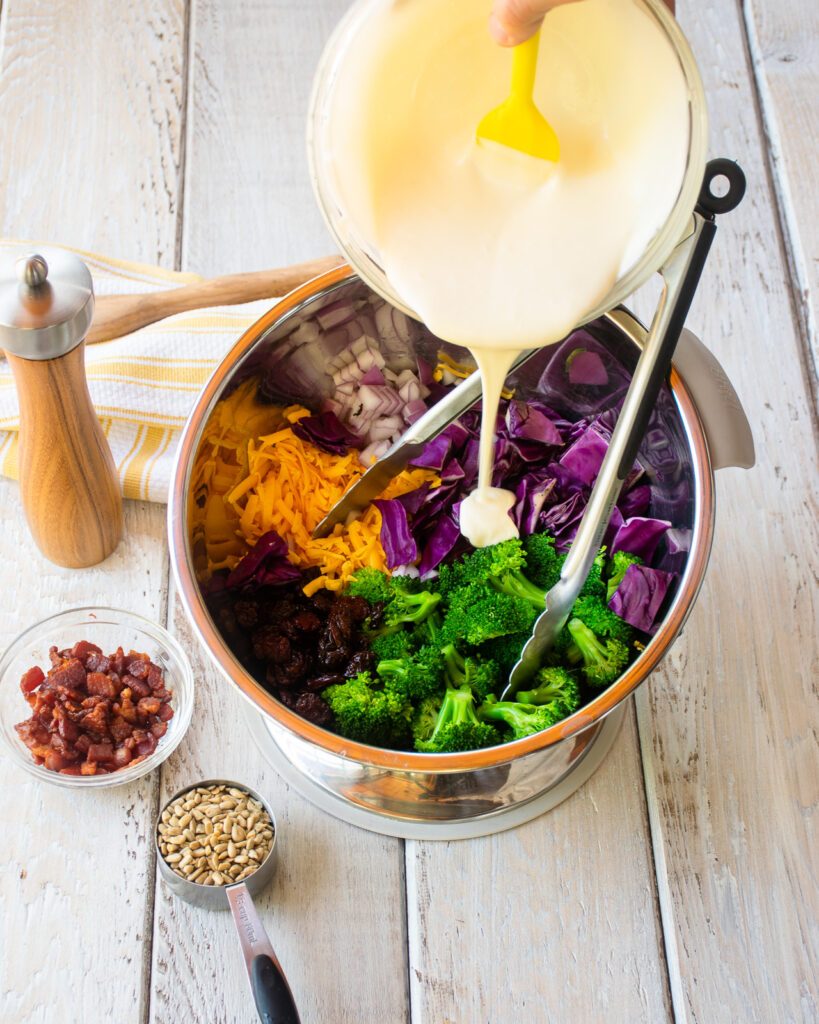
[(68, 480)]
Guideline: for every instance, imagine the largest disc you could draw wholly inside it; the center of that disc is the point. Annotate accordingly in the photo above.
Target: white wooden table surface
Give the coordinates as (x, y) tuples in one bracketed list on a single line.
[(680, 883)]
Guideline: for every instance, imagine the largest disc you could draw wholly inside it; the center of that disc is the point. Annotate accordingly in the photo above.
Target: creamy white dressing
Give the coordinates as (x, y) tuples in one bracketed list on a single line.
[(494, 250)]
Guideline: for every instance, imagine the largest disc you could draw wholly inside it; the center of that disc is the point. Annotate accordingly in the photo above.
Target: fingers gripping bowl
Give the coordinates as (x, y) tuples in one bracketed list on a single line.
[(477, 782)]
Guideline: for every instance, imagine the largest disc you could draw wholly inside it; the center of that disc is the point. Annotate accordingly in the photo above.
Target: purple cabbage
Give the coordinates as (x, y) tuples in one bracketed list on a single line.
[(530, 423), (640, 535), (434, 454), (265, 565), (563, 519), (586, 367), (640, 596), (413, 500), (582, 461), (677, 547), (396, 537), (326, 431), (531, 494), (635, 502), (440, 543), (581, 396)]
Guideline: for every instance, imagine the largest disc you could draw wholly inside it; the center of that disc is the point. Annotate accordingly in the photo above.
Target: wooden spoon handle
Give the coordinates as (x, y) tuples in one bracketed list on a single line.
[(116, 315), (68, 480)]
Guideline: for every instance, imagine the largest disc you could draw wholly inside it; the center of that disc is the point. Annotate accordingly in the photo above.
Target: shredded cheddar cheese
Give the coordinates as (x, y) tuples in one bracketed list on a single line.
[(252, 474)]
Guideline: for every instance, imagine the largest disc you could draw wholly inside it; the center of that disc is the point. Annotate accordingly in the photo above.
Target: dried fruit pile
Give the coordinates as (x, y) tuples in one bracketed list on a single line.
[(297, 645), (94, 713)]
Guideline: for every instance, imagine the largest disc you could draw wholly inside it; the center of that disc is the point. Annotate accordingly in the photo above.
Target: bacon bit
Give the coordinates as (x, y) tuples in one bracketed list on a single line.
[(84, 721), (31, 679)]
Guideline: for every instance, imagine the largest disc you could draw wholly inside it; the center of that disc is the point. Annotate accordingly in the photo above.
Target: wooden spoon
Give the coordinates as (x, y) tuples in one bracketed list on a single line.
[(117, 315)]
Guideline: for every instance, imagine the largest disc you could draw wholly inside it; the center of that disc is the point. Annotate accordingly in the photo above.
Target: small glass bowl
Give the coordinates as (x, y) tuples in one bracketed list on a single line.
[(109, 629)]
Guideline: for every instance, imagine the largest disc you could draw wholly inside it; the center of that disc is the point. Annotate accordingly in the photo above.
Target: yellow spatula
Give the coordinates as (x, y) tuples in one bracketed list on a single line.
[(517, 122)]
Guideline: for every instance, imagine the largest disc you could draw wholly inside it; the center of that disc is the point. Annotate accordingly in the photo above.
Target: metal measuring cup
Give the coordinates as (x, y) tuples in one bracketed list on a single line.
[(274, 1000)]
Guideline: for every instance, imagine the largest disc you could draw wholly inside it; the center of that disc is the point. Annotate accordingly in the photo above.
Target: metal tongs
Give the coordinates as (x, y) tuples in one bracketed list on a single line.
[(681, 273)]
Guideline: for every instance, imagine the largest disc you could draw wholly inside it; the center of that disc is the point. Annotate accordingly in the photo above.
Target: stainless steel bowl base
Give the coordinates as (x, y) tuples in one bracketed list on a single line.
[(264, 732)]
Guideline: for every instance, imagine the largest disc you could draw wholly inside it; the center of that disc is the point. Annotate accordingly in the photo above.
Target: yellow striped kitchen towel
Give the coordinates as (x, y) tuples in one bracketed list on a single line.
[(144, 385)]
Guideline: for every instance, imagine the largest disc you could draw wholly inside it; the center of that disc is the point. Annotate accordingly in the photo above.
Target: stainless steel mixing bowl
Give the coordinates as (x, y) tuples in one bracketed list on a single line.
[(699, 434)]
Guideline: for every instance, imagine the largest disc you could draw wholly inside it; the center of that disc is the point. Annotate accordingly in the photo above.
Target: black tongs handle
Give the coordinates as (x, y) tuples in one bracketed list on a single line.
[(708, 205)]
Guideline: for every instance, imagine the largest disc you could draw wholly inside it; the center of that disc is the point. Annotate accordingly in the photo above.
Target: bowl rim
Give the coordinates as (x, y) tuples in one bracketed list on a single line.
[(183, 709), (377, 757)]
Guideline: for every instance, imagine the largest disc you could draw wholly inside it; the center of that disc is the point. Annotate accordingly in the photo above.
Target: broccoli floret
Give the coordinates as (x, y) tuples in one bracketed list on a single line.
[(366, 711), (618, 566), (415, 676), (481, 565), (429, 631), (392, 645), (424, 719), (455, 727), (501, 566), (553, 686), (522, 719), (371, 584), (479, 613), (595, 585), (601, 620), (603, 660), (405, 606), (479, 675), (543, 563), (505, 651), (403, 598)]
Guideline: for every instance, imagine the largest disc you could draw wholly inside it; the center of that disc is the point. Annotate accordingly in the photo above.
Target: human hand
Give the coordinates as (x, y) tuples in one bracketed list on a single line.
[(514, 21)]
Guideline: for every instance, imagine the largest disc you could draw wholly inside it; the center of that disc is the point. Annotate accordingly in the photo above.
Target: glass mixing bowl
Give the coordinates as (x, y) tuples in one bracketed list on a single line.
[(108, 629), (365, 260)]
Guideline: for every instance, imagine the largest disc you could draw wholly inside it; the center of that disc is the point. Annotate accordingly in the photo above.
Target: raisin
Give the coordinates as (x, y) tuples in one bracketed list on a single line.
[(362, 661), (247, 614), (320, 682), (313, 708), (270, 645), (306, 621)]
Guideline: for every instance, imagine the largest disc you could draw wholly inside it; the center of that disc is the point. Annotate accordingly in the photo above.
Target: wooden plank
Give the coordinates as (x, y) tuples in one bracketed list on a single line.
[(78, 873), (554, 921), (335, 910), (90, 124), (728, 726), (90, 105), (783, 40), (252, 70)]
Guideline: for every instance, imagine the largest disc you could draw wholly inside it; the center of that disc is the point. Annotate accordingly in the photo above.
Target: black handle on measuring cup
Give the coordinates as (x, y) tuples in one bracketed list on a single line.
[(274, 1000), (708, 205)]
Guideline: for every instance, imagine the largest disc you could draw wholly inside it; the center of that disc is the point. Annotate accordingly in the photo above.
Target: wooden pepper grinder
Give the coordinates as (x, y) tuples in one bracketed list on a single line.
[(68, 480)]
